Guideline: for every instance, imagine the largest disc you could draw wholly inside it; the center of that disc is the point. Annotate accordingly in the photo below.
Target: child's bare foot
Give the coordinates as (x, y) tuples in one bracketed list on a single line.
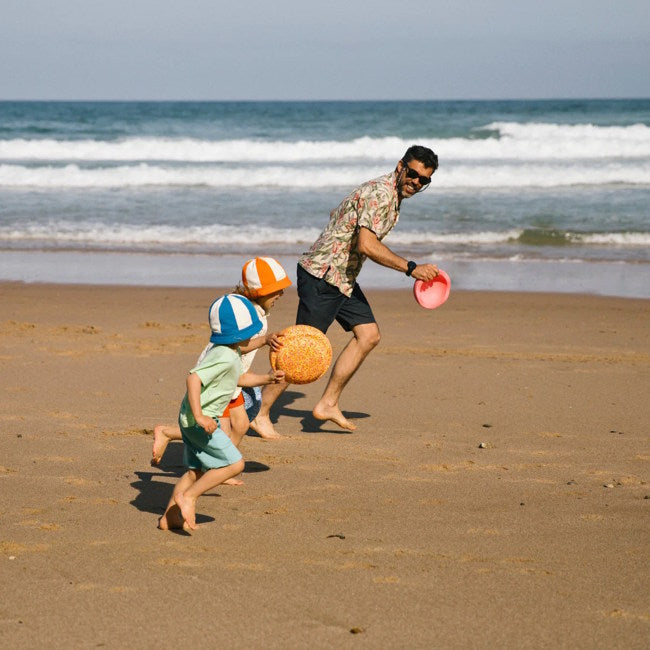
[(187, 506), (171, 520), (233, 481), (263, 426), (160, 442), (324, 411)]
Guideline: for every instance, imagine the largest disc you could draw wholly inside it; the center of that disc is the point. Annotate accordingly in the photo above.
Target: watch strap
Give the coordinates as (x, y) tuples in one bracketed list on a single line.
[(410, 267)]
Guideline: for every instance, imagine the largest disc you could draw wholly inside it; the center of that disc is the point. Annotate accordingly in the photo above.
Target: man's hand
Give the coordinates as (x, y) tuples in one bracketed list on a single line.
[(206, 423), (425, 272)]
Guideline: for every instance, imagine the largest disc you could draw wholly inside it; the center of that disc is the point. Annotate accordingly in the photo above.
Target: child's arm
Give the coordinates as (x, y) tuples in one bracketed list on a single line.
[(194, 400), (273, 340), (250, 379)]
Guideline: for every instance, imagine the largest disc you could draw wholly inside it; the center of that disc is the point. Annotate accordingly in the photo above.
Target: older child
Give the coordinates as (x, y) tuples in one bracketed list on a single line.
[(210, 455), (263, 282)]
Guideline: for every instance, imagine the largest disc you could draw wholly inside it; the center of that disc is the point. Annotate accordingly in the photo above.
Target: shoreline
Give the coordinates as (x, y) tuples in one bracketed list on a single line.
[(616, 279)]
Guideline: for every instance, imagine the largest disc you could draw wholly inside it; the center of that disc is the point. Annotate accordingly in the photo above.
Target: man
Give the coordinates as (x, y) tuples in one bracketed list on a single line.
[(327, 286)]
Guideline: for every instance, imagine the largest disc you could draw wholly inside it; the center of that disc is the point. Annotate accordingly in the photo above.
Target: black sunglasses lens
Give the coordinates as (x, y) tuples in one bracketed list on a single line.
[(411, 173)]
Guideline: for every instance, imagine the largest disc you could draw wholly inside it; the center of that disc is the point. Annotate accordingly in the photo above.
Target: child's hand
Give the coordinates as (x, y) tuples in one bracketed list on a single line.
[(274, 341), (276, 376), (206, 423)]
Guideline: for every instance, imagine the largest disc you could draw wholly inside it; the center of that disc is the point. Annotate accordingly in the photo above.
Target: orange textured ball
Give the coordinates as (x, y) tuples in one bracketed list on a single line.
[(305, 355)]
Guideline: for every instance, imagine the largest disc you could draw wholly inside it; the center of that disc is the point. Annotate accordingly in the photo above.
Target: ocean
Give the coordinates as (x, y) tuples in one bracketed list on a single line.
[(530, 195)]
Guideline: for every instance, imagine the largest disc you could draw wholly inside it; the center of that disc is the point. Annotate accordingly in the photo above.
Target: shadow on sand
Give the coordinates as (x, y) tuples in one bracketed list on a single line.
[(309, 423), (155, 487)]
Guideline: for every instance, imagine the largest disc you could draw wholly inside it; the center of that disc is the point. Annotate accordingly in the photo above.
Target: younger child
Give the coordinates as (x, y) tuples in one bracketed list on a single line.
[(263, 282), (210, 455)]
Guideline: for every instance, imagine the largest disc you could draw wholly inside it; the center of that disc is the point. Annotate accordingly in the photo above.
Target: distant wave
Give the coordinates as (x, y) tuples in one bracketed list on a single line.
[(455, 176), (556, 237), (535, 141), (101, 235), (529, 236), (495, 141), (221, 237)]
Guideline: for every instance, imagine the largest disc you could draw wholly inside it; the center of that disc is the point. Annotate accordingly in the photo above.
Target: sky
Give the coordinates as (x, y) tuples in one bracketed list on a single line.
[(334, 49)]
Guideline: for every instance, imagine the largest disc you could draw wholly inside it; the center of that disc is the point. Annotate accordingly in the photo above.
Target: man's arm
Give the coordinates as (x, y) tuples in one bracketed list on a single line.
[(371, 247)]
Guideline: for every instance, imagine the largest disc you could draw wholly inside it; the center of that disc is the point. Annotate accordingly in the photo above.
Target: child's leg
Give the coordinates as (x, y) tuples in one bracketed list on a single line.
[(172, 517), (238, 424), (224, 423), (235, 426), (186, 499), (162, 435)]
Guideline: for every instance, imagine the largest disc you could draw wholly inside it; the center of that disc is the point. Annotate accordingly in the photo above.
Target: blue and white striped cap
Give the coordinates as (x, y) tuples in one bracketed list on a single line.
[(232, 319)]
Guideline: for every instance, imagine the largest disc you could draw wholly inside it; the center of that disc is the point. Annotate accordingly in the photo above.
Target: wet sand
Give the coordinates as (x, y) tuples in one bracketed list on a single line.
[(406, 533)]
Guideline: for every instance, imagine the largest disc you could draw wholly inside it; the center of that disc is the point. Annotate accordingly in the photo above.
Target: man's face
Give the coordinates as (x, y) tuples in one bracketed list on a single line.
[(408, 186)]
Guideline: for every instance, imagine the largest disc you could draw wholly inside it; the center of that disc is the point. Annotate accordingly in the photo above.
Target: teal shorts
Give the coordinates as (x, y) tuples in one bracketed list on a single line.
[(204, 452)]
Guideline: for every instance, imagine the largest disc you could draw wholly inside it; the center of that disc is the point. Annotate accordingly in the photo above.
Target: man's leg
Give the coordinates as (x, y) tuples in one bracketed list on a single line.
[(262, 424), (365, 338)]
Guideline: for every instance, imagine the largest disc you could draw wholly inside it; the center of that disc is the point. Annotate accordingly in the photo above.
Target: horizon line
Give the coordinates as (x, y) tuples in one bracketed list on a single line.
[(322, 100)]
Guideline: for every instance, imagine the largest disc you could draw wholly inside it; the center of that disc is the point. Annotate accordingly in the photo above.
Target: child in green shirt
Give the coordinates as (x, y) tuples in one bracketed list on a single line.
[(208, 452)]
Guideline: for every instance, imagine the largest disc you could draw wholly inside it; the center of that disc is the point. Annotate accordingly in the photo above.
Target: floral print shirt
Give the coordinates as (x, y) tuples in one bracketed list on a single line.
[(334, 255)]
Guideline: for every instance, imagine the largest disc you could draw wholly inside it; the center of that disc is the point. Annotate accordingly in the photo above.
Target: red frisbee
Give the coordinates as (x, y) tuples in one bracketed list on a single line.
[(433, 293)]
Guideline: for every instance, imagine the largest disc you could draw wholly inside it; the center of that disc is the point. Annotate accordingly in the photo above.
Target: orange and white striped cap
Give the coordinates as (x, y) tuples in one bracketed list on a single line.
[(264, 275)]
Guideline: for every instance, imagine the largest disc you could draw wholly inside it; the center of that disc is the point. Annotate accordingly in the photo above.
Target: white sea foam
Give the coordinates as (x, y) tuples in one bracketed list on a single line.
[(517, 156), (545, 175), (465, 239), (510, 140), (152, 236), (143, 174), (194, 150), (225, 237), (453, 176), (615, 238)]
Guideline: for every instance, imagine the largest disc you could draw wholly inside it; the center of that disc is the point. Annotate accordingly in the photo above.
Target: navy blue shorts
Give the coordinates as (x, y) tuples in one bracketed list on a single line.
[(322, 303)]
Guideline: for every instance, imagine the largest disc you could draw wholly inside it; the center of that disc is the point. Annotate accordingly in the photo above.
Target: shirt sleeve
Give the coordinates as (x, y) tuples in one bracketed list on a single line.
[(213, 367), (372, 210), (208, 373)]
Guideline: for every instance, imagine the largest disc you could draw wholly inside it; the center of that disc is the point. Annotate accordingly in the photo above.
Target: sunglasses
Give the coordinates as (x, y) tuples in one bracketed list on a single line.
[(411, 173)]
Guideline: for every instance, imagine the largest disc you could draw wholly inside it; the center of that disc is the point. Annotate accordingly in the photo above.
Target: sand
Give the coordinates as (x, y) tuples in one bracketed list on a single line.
[(406, 533)]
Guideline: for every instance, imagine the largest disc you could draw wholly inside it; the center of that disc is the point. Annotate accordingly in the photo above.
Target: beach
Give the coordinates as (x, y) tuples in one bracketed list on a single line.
[(494, 494)]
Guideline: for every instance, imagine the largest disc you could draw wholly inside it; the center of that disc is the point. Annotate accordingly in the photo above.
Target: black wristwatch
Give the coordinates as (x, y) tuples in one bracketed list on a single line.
[(410, 267)]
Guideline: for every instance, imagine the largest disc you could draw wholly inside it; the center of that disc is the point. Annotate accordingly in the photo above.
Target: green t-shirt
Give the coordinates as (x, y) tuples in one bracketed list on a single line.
[(219, 371)]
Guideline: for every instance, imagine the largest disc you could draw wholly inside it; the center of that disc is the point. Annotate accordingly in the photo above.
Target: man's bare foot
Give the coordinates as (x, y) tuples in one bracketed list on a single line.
[(171, 520), (188, 509), (160, 442), (263, 426), (233, 481), (333, 413)]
